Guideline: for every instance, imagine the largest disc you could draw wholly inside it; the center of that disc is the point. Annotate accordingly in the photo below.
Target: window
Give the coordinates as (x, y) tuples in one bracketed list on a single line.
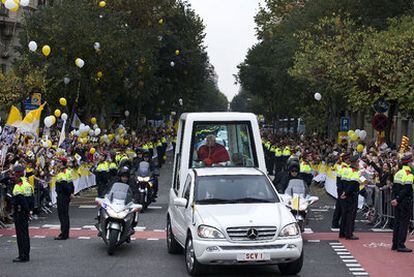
[(234, 189), (187, 188), (177, 166), (223, 144)]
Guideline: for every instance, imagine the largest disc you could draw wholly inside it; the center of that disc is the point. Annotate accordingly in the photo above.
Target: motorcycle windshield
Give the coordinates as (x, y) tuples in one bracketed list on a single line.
[(144, 169), (119, 194), (296, 186)]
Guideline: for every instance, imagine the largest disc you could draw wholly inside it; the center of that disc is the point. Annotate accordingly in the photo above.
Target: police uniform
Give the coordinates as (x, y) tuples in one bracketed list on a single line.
[(102, 176), (64, 190), (278, 160), (22, 194), (402, 192), (306, 172), (350, 188), (340, 169)]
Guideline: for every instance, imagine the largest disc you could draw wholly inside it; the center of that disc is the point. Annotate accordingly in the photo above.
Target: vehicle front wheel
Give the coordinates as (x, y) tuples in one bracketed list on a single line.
[(173, 246), (113, 240), (194, 268), (292, 268)]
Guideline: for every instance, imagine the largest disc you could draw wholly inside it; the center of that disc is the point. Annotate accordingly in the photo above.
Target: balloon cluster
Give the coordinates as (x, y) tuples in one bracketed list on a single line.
[(14, 5)]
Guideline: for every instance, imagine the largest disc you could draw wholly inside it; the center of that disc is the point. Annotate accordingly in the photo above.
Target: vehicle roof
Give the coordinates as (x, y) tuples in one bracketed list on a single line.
[(218, 171), (219, 116)]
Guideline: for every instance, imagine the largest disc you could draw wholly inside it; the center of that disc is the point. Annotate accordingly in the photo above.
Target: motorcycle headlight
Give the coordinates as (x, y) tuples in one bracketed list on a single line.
[(303, 207), (290, 230), (143, 179), (208, 232), (114, 214)]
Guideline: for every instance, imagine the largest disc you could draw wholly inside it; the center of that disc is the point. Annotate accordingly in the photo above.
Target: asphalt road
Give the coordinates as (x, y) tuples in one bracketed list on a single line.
[(85, 254)]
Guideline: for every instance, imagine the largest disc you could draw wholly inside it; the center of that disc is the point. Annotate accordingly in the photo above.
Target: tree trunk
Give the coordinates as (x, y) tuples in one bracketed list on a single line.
[(391, 112)]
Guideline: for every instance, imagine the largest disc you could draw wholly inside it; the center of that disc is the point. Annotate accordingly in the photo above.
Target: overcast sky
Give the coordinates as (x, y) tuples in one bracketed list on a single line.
[(230, 30)]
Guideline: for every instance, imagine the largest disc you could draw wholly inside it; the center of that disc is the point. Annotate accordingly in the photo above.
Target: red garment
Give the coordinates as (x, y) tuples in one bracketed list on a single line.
[(213, 155)]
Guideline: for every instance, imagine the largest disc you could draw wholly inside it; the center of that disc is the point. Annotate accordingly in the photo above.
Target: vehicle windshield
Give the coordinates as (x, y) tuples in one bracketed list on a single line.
[(234, 189), (120, 192), (223, 144), (143, 169)]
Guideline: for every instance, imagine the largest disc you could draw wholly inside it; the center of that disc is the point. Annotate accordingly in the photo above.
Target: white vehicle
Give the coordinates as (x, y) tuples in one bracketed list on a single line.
[(232, 216)]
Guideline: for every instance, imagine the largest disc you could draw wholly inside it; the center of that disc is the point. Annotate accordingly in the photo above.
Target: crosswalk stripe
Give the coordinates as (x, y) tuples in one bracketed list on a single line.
[(87, 206), (343, 253), (308, 231), (338, 246), (335, 243), (155, 207), (349, 260), (52, 226), (88, 227), (153, 239), (353, 265), (314, 240), (360, 273), (356, 269), (39, 237), (76, 229), (140, 228), (84, 237), (346, 257)]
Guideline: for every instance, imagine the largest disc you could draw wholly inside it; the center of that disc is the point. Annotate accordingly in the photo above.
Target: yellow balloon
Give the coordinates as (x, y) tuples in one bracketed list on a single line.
[(99, 74), (177, 52), (62, 101), (93, 120), (16, 8), (354, 137), (161, 21), (126, 142), (102, 4), (360, 148), (121, 141), (92, 151), (350, 133), (84, 140), (49, 143), (54, 119), (46, 50), (58, 113)]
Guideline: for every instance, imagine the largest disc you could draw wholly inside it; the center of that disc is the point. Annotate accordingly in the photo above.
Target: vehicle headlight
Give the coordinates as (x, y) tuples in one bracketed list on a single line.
[(143, 179), (208, 232), (114, 214), (290, 230)]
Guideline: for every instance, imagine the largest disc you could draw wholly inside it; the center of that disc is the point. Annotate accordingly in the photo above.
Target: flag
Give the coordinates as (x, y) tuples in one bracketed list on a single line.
[(62, 134), (15, 117), (31, 121), (76, 122)]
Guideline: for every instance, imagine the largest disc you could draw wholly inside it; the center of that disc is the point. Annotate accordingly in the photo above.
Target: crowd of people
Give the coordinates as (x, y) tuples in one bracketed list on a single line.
[(358, 169), (34, 167)]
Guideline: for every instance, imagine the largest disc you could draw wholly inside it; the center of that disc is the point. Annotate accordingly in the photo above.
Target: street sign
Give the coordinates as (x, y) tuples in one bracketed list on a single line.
[(345, 124), (381, 106), (379, 122)]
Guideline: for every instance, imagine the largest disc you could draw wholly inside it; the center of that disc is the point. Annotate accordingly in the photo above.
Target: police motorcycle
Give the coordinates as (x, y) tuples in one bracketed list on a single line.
[(118, 215), (146, 182), (298, 201)]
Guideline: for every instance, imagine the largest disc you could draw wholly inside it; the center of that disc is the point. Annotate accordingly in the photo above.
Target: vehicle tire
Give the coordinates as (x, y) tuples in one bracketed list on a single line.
[(172, 245), (194, 268), (113, 239), (292, 268)]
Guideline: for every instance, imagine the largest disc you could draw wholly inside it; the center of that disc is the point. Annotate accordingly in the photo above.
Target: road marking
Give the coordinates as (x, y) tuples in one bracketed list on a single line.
[(51, 226), (356, 269), (153, 239), (353, 265), (349, 260), (314, 240), (319, 210), (140, 228), (335, 229), (338, 246), (335, 243), (76, 229), (34, 228), (87, 206), (362, 221), (13, 236), (343, 253), (381, 230), (308, 231), (347, 257), (84, 237), (155, 207), (133, 238), (88, 227), (159, 230), (39, 237), (360, 273)]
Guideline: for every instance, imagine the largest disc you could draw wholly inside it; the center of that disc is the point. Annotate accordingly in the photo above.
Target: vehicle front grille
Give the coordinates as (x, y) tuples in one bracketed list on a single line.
[(254, 233), (256, 247)]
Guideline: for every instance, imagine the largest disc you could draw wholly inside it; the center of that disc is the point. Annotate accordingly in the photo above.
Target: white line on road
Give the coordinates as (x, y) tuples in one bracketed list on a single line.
[(51, 226), (360, 273), (319, 210), (34, 228), (84, 237), (13, 236), (335, 243), (338, 246), (356, 269), (349, 260), (155, 207), (381, 230), (153, 239), (133, 238), (159, 230), (1, 235), (335, 229), (314, 240), (140, 228), (39, 237), (88, 227), (353, 265), (87, 206), (343, 253), (308, 231), (76, 229), (347, 257)]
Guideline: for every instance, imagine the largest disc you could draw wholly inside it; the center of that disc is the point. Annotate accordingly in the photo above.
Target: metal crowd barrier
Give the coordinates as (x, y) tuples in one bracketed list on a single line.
[(384, 210)]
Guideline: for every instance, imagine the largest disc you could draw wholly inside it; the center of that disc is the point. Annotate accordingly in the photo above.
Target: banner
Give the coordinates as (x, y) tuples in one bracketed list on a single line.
[(76, 122)]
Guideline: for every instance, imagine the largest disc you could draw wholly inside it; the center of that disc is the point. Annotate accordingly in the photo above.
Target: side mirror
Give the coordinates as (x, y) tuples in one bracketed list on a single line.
[(180, 202)]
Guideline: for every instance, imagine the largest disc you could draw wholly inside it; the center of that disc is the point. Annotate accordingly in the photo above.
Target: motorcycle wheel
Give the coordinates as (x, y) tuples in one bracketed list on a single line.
[(113, 239)]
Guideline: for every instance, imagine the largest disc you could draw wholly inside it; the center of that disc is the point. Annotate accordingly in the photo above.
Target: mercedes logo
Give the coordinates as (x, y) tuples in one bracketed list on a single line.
[(252, 234)]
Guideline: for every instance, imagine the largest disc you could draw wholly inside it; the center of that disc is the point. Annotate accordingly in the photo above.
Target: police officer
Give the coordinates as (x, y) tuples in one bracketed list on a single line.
[(102, 175), (22, 196), (339, 170), (349, 199), (402, 192), (64, 190), (278, 159), (306, 171)]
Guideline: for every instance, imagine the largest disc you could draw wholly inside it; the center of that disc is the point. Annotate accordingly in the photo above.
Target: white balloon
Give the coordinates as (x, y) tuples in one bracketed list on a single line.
[(97, 45), (363, 135), (77, 133), (81, 126), (126, 113), (64, 116), (1, 129), (91, 133), (10, 4), (172, 64), (97, 131), (24, 3), (32, 46), (80, 63), (95, 126), (357, 132), (66, 80), (318, 96), (48, 121)]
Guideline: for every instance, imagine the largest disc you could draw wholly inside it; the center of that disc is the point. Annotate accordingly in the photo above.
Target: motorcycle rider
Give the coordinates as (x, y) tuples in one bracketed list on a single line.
[(295, 187), (153, 167)]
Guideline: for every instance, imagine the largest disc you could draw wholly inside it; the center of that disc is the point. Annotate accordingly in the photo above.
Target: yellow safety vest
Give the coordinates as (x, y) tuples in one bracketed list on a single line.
[(305, 168), (24, 188), (286, 151), (102, 167), (278, 152)]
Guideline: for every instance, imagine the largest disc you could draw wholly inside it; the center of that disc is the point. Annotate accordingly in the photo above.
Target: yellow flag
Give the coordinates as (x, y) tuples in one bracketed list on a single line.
[(15, 117), (31, 121)]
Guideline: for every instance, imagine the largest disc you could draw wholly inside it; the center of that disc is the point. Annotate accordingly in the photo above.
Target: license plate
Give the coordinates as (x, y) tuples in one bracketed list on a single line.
[(253, 257)]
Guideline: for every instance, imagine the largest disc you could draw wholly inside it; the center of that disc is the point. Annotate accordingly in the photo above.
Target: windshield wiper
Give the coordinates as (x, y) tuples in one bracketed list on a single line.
[(213, 201), (252, 200)]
